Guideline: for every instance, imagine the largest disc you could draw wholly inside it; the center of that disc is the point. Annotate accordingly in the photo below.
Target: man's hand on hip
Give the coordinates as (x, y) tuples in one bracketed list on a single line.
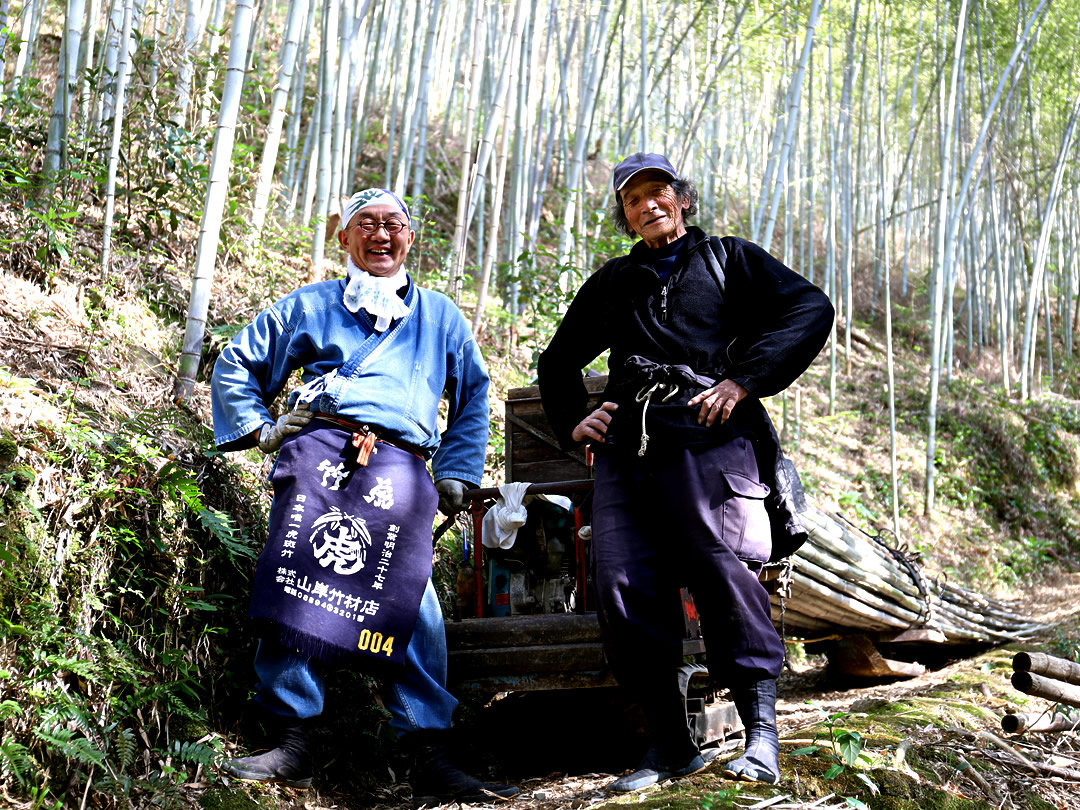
[(720, 400), (271, 436), (595, 425)]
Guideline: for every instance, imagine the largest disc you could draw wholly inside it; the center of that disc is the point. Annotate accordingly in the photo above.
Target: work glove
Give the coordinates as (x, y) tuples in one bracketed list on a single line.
[(451, 495), (272, 435)]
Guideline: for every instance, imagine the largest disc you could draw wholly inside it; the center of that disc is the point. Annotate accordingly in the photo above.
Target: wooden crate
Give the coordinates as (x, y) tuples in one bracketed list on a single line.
[(532, 451)]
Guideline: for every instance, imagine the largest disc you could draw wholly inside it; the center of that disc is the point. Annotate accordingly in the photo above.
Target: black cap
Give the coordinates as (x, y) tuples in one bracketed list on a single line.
[(639, 162)]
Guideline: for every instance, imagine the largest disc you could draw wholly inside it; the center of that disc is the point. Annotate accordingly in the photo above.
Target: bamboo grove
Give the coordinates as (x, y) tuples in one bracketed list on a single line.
[(916, 158)]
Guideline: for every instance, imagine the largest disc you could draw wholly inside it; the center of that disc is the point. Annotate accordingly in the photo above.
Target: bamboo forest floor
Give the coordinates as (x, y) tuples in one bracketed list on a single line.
[(947, 721)]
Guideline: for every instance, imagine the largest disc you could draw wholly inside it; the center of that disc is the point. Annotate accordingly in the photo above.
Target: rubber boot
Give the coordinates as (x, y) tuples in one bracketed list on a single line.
[(760, 762), (435, 779), (674, 752), (287, 763), (653, 769)]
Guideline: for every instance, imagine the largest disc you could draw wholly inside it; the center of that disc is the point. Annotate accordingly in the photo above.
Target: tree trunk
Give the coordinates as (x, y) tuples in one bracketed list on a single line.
[(420, 156), (57, 143), (327, 91), (794, 99), (214, 206), (192, 34), (939, 270), (456, 262), (1041, 249), (114, 149), (297, 14)]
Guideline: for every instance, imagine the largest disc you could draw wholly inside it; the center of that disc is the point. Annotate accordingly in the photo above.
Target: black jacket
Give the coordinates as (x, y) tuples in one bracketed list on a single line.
[(762, 330)]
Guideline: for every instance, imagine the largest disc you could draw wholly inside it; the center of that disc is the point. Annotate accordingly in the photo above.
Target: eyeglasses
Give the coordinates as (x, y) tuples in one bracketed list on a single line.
[(392, 226)]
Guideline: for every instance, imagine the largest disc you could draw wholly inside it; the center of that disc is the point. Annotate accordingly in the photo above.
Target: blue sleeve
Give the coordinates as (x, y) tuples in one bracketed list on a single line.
[(464, 444), (251, 371)]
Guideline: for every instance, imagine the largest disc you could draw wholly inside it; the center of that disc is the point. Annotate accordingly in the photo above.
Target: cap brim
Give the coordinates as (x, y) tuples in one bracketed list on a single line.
[(632, 174)]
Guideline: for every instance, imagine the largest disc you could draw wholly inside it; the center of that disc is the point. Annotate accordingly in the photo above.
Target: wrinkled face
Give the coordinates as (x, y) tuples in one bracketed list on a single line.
[(380, 253), (653, 210)]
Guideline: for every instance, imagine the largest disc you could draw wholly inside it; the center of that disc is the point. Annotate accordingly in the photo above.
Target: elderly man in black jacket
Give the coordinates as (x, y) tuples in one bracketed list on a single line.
[(699, 328)]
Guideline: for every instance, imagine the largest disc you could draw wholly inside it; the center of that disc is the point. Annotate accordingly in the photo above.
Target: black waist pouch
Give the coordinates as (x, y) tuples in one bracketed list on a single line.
[(653, 414)]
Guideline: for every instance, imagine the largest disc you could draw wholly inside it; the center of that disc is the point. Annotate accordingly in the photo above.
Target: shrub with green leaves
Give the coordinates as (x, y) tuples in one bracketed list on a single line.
[(108, 641)]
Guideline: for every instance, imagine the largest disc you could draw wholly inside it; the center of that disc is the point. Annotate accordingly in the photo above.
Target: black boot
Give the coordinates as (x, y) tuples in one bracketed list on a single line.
[(287, 763), (654, 768), (435, 779), (760, 762), (674, 751)]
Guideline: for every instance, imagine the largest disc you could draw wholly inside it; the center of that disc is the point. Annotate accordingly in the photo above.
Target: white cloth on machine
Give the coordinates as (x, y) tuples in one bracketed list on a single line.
[(508, 514)]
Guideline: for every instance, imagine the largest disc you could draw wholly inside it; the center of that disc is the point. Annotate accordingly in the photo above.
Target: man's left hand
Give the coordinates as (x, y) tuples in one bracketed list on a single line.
[(720, 400), (451, 495)]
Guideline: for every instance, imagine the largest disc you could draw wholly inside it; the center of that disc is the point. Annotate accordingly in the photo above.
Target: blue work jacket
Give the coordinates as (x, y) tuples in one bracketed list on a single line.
[(391, 381)]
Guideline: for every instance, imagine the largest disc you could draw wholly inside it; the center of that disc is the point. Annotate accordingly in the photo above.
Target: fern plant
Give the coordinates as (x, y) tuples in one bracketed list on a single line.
[(111, 626), (16, 761)]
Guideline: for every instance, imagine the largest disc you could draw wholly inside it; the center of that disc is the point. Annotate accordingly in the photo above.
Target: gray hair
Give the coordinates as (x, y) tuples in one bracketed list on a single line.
[(685, 190)]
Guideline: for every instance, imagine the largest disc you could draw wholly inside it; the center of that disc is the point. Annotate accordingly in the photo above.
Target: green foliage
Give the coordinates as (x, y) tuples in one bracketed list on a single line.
[(40, 238), (845, 748), (546, 284), (433, 244), (170, 184), (722, 798), (852, 503), (115, 634), (196, 753), (16, 762), (66, 743)]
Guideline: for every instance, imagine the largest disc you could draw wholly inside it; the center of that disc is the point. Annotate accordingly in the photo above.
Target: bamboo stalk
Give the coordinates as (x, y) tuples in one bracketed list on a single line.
[(1038, 686), (860, 554), (845, 580), (1019, 723), (872, 597), (843, 610), (1048, 666), (852, 575)]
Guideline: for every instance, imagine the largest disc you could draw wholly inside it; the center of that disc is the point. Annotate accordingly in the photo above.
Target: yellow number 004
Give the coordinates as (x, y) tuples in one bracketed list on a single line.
[(375, 643)]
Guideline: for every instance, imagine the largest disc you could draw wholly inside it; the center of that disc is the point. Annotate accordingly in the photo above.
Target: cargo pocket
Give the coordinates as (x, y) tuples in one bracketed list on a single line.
[(745, 527)]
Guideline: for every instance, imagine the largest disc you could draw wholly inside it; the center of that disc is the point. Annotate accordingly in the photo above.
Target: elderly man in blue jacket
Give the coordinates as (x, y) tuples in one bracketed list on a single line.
[(345, 577), (699, 328)]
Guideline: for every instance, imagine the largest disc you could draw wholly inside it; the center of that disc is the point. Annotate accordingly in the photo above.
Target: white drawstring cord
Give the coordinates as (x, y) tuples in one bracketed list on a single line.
[(646, 397)]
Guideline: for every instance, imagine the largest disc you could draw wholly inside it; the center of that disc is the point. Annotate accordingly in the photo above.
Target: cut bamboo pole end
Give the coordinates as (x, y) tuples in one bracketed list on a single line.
[(1036, 685), (1047, 665)]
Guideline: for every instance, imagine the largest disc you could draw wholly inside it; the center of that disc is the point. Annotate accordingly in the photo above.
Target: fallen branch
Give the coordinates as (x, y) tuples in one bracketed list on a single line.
[(1035, 767), (978, 779)]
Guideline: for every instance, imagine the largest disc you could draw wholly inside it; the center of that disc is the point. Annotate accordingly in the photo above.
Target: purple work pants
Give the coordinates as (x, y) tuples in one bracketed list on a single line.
[(683, 517)]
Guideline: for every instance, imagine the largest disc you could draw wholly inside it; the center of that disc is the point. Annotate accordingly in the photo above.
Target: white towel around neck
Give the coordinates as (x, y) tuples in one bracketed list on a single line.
[(376, 294)]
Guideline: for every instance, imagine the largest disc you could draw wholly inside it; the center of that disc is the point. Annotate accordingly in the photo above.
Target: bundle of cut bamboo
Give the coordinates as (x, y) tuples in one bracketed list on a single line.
[(846, 582)]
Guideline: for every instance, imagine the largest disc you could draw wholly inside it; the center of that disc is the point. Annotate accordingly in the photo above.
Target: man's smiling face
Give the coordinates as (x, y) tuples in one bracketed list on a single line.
[(379, 253), (653, 210)]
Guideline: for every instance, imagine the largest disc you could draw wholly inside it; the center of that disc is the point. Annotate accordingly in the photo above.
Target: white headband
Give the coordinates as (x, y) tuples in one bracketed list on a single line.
[(369, 197)]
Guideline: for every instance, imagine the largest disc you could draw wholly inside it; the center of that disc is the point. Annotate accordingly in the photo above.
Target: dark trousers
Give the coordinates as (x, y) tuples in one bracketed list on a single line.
[(693, 518)]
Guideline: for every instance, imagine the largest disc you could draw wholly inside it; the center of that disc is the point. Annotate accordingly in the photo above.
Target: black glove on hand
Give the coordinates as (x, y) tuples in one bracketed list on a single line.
[(271, 436), (451, 495)]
